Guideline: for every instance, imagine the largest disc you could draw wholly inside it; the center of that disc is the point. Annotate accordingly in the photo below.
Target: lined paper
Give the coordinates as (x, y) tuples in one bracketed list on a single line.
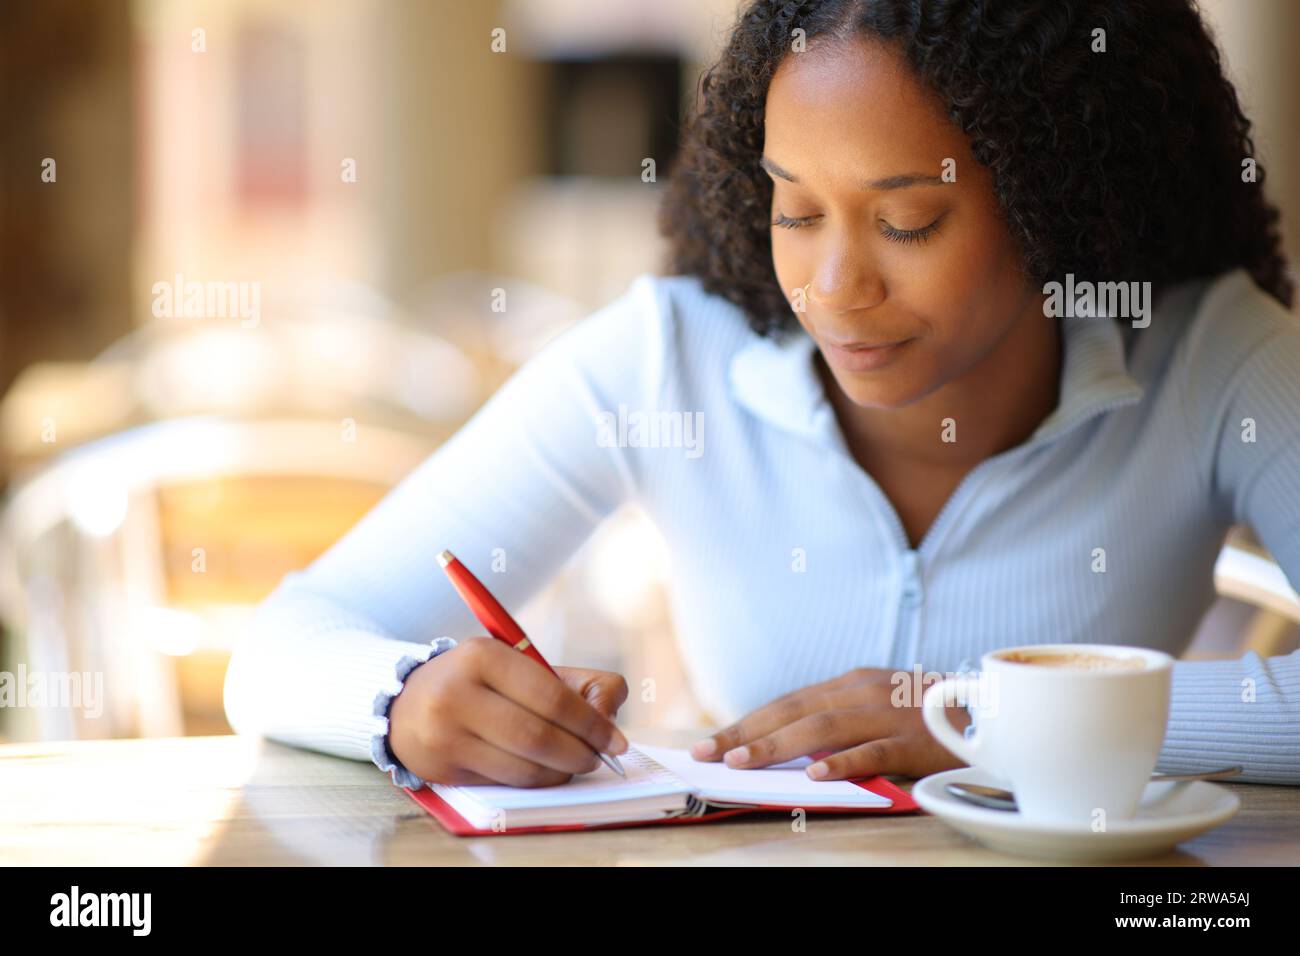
[(784, 784)]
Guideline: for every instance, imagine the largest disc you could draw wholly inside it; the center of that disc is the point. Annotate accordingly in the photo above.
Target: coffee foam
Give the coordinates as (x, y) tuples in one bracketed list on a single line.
[(1083, 660)]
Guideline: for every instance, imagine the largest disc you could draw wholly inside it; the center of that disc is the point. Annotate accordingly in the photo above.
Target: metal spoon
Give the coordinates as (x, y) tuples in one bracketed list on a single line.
[(995, 798)]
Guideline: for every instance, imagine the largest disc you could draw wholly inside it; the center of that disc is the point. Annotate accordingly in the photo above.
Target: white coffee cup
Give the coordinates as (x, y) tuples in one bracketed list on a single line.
[(1076, 746)]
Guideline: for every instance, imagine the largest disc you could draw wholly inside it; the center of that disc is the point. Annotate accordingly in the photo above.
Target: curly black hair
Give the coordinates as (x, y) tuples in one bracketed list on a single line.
[(1122, 165)]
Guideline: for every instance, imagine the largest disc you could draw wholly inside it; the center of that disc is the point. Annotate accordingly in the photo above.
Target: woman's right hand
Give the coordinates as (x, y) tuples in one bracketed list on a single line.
[(483, 713)]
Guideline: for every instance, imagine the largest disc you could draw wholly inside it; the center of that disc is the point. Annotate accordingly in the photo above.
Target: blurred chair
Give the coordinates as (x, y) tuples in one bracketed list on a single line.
[(131, 555), (140, 552), (1245, 572)]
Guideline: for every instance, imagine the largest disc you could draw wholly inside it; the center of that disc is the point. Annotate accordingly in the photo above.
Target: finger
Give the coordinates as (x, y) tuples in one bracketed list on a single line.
[(882, 755), (821, 730), (497, 766), (504, 723), (461, 777), (438, 770), (521, 679), (770, 717), (604, 690), (471, 755)]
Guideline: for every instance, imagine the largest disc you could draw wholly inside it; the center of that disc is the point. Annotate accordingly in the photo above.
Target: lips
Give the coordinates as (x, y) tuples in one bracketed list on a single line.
[(862, 358), (859, 346), (855, 346)]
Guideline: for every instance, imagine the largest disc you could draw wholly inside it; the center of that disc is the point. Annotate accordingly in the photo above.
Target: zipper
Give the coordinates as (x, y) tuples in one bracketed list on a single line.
[(912, 593)]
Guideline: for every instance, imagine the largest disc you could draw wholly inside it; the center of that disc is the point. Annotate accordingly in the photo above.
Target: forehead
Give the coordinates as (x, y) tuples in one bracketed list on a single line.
[(854, 107)]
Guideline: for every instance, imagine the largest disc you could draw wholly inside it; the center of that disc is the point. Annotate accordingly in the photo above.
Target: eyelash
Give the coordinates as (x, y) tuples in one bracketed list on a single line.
[(904, 236)]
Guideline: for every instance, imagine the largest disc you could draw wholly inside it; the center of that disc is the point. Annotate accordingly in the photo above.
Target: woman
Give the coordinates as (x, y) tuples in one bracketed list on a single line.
[(978, 337)]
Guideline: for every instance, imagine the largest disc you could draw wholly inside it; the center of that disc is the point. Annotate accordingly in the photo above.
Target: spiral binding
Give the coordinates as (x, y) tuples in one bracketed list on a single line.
[(695, 807)]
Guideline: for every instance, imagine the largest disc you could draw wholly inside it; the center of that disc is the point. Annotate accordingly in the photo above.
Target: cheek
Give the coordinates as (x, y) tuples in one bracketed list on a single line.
[(968, 289), (791, 273), (987, 266)]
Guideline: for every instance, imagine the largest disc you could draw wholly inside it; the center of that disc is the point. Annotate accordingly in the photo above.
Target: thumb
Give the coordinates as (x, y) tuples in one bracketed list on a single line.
[(603, 690)]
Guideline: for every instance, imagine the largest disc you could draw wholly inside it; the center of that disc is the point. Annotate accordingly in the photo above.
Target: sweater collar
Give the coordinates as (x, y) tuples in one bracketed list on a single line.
[(776, 380)]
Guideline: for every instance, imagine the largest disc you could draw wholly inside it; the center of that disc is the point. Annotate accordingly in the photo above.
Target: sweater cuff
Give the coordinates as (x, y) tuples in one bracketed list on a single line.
[(1244, 711), (380, 751)]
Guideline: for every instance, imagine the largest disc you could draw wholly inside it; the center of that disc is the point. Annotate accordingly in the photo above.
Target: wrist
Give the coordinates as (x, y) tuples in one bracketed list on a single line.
[(381, 748)]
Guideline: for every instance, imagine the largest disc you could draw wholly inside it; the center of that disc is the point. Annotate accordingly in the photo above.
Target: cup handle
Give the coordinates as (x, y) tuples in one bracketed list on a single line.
[(935, 713)]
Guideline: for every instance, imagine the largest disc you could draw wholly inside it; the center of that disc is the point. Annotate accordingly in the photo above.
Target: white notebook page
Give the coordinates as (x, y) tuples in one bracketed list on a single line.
[(645, 778), (655, 776), (784, 784)]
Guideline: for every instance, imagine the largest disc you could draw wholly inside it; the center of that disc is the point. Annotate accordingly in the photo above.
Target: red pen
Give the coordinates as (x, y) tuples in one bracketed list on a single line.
[(501, 625)]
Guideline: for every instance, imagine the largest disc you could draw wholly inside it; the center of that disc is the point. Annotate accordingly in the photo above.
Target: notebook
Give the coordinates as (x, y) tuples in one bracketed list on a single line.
[(663, 785)]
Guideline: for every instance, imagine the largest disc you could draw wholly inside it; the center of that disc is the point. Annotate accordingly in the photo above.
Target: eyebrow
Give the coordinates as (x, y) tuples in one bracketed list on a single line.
[(901, 181)]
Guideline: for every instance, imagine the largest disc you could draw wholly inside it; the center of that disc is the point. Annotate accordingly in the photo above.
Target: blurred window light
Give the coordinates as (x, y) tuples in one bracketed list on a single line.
[(169, 630), (97, 500)]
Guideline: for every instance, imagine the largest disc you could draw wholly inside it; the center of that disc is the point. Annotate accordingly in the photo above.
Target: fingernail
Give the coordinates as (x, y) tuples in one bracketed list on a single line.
[(619, 742), (739, 755), (704, 748), (819, 769)]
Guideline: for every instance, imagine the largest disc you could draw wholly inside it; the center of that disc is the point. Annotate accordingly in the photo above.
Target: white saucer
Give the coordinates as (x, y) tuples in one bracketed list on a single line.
[(1168, 814)]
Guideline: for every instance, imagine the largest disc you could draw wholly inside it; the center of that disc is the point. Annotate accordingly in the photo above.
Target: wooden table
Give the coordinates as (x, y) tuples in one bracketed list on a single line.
[(241, 801)]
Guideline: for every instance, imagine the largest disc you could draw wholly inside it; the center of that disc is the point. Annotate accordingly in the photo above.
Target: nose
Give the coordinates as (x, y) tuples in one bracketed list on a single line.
[(845, 280)]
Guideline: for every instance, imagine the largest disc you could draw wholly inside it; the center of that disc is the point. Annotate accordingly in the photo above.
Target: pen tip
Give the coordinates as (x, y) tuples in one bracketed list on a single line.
[(445, 558), (612, 763)]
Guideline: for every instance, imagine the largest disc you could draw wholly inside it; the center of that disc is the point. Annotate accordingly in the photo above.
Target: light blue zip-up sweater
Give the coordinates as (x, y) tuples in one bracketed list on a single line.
[(789, 565)]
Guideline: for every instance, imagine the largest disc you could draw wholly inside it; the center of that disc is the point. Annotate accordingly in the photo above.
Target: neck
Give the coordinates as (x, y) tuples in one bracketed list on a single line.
[(997, 404)]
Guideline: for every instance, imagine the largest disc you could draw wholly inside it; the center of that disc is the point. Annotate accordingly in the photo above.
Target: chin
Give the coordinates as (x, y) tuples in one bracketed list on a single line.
[(877, 394)]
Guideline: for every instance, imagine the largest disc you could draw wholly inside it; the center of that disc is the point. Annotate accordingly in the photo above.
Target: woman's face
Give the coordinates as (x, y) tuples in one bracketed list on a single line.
[(888, 250)]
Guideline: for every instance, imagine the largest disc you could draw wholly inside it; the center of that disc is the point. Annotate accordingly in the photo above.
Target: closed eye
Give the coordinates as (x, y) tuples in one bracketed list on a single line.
[(904, 236), (786, 222), (909, 235)]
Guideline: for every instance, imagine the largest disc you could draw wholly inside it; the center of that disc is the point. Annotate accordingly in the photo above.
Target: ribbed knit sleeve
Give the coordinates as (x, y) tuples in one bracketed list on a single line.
[(1239, 373), (513, 494)]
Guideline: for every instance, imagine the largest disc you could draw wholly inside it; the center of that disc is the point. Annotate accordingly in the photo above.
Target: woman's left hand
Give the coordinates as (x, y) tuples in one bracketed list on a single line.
[(859, 715)]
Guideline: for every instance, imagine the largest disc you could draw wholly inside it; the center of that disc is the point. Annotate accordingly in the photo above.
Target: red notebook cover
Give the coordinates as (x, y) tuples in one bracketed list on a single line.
[(455, 823)]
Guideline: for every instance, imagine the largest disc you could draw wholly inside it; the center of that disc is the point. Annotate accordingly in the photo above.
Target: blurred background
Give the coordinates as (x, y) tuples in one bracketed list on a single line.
[(348, 182)]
